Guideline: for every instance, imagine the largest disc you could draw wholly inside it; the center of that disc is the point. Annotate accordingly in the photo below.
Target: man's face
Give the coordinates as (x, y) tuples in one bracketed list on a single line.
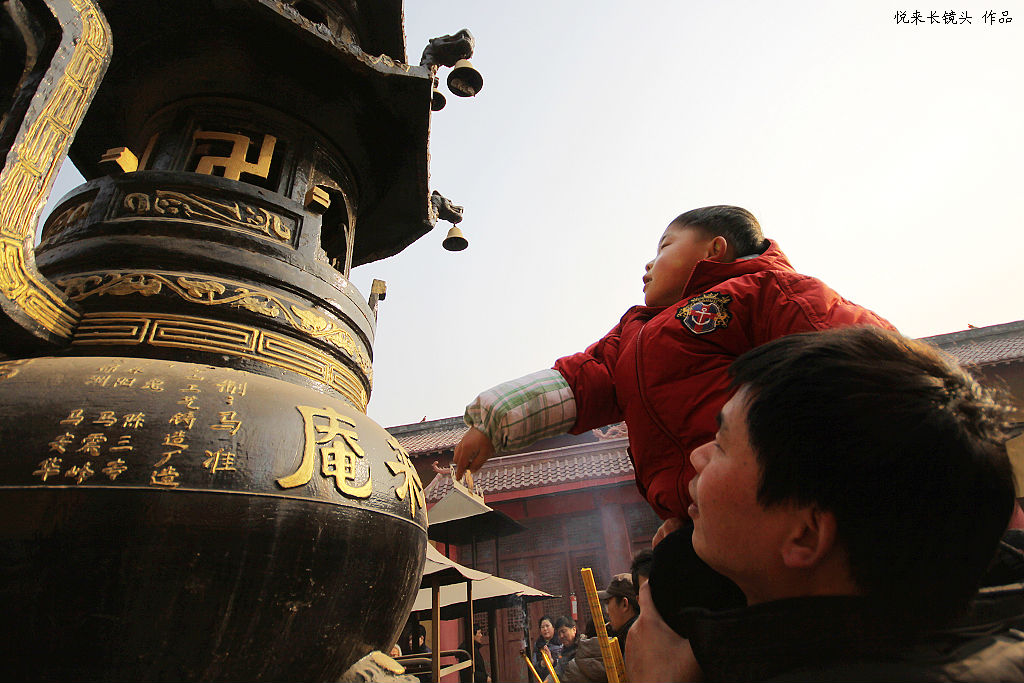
[(679, 250), (732, 532), (618, 610), (478, 636), (566, 634)]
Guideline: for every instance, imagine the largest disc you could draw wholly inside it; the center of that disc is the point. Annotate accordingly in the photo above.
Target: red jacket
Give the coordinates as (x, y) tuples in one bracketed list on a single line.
[(664, 370)]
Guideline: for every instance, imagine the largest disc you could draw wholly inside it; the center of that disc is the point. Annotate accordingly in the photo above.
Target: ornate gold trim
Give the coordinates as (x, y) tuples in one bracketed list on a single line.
[(211, 292), (33, 165), (193, 208), (214, 336)]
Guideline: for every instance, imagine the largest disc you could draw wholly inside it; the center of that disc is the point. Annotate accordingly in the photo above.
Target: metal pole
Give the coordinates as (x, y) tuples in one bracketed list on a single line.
[(472, 629), (435, 630)]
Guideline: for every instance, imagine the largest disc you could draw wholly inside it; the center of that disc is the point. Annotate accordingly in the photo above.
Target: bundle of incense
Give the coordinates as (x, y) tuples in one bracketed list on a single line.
[(551, 667), (610, 652), (529, 665)]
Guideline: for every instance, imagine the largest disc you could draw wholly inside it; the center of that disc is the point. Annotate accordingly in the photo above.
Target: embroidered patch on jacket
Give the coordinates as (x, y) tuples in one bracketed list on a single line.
[(706, 312)]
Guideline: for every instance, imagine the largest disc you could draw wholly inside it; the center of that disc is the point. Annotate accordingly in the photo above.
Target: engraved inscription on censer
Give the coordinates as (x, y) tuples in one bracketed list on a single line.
[(411, 485), (92, 443), (334, 436), (220, 213)]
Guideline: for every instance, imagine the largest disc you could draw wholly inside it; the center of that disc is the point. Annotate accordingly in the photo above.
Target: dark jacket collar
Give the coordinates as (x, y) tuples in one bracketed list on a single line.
[(766, 640)]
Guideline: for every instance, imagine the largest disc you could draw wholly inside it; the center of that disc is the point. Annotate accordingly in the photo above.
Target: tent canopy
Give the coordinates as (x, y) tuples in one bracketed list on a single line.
[(460, 517), (492, 592)]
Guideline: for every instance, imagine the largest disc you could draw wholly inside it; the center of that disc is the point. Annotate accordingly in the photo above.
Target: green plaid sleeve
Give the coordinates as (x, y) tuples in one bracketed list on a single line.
[(516, 413)]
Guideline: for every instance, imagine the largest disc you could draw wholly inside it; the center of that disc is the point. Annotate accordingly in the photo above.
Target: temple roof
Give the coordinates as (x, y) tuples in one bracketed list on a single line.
[(605, 461), (983, 345), (430, 437)]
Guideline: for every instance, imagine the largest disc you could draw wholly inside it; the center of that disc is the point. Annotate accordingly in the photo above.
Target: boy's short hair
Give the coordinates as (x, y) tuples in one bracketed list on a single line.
[(737, 225), (899, 443)]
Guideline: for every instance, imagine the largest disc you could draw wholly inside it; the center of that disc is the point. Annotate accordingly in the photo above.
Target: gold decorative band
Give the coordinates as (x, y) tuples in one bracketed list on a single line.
[(210, 291), (185, 207), (203, 334)]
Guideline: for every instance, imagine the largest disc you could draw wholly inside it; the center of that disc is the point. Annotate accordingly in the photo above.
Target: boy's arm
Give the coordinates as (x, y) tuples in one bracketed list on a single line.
[(576, 395), (513, 415)]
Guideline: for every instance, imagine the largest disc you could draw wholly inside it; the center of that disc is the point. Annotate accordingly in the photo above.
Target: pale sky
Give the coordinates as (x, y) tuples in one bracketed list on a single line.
[(884, 158)]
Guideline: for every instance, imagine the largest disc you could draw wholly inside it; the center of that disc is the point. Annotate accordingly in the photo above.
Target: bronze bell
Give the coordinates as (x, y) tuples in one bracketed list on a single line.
[(437, 100), (465, 80), (455, 241)]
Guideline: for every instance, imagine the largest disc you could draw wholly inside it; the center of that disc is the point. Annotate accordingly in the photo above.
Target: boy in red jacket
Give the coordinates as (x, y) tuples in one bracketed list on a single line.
[(715, 289)]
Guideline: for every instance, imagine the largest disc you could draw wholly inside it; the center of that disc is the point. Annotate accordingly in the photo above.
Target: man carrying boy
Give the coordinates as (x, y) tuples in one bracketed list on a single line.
[(715, 289), (855, 493)]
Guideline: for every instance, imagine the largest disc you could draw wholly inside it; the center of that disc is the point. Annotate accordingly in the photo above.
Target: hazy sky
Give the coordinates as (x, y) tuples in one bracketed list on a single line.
[(884, 157)]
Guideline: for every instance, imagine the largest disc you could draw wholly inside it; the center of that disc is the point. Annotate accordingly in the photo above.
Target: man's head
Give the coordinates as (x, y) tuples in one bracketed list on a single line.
[(640, 569), (565, 628), (719, 233), (620, 601), (478, 635), (854, 461)]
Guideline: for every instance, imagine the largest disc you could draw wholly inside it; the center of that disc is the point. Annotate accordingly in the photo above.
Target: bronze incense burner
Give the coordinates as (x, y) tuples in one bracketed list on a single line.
[(191, 489)]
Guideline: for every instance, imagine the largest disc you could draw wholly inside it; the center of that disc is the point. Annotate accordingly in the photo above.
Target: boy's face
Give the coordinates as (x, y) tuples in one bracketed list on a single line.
[(679, 250)]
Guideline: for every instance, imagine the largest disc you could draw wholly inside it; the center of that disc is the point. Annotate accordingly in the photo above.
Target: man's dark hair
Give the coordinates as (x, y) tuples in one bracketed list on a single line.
[(738, 226), (564, 621), (899, 443), (641, 566)]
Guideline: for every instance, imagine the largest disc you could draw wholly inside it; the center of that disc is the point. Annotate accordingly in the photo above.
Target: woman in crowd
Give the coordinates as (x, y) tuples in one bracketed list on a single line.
[(548, 640)]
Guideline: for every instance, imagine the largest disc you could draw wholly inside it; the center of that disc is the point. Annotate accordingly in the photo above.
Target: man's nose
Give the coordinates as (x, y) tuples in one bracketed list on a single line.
[(699, 456)]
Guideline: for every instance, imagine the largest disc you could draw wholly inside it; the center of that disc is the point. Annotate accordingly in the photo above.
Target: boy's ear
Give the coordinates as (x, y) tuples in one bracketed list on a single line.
[(718, 249), (812, 538)]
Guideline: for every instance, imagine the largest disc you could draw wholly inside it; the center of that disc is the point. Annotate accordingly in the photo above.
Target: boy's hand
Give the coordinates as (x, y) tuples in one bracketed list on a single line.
[(472, 452), (667, 527)]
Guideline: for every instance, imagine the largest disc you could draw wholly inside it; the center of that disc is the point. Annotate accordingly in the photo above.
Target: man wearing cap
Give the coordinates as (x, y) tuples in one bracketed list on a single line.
[(620, 603)]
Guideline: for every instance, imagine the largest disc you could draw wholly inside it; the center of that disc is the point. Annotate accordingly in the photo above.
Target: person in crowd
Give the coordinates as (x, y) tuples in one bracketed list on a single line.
[(850, 505), (620, 604), (640, 569), (467, 675), (547, 641), (715, 289), (565, 629), (418, 645)]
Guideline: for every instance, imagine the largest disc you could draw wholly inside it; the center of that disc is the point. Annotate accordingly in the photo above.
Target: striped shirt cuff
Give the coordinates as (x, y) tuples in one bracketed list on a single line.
[(516, 413)]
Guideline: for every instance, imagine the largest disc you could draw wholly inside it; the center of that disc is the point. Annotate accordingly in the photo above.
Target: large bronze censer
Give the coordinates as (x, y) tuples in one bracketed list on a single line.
[(190, 488)]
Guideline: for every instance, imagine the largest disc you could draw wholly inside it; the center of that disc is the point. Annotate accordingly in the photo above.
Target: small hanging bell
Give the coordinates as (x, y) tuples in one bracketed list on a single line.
[(464, 80), (455, 241), (437, 100)]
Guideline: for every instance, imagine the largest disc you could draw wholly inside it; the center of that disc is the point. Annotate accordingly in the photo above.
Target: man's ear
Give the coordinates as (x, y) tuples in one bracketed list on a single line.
[(718, 249), (811, 540)]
